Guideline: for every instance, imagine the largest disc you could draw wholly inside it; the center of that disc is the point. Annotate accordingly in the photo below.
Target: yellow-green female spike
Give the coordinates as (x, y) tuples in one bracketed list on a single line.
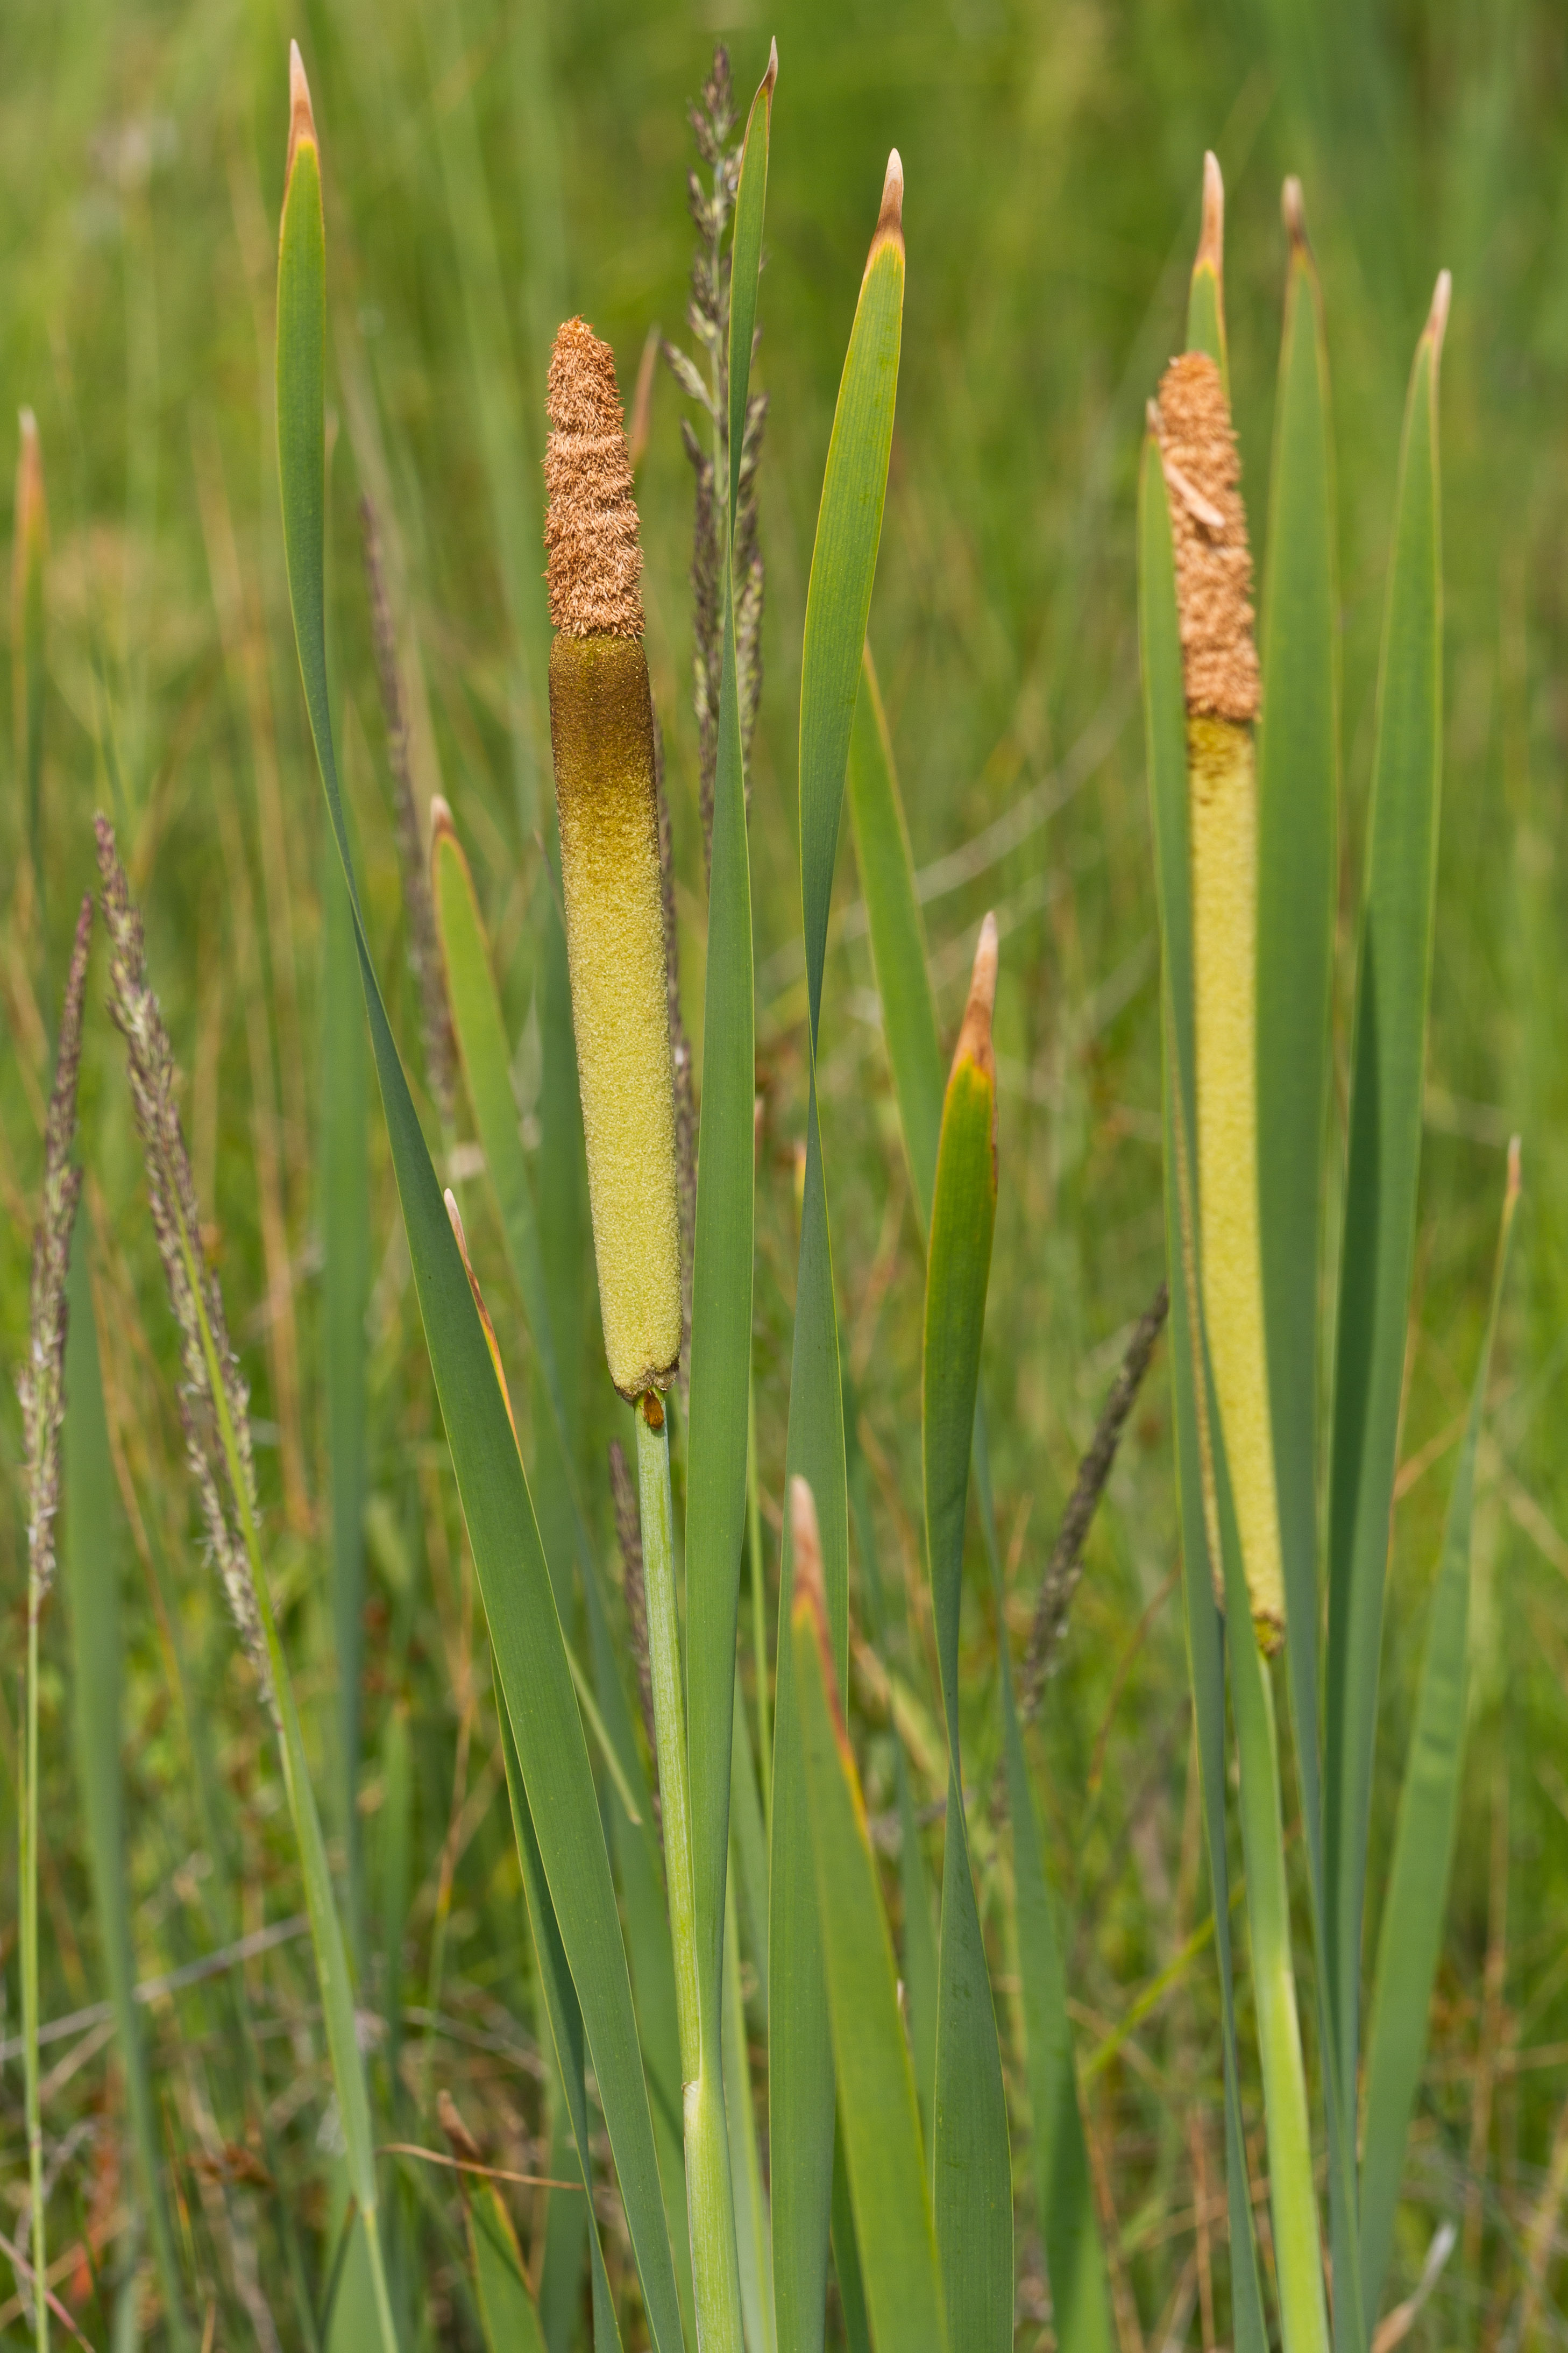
[(601, 729), (1214, 588)]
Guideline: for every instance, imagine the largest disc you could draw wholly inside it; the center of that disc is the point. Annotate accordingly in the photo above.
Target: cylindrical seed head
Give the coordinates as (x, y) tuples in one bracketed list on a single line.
[(601, 728)]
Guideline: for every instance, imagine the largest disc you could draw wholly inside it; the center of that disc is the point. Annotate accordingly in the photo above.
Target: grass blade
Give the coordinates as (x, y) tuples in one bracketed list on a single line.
[(514, 1580), (92, 1553), (882, 2140), (1163, 704), (843, 563), (482, 1044), (898, 938), (507, 2313), (1387, 1073), (1064, 2192), (564, 2019), (971, 2169), (480, 1032), (1417, 1893), (1074, 2259), (753, 2237), (345, 1297)]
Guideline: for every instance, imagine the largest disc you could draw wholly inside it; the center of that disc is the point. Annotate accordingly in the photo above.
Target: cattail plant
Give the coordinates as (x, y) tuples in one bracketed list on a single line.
[(1245, 844), (1219, 672), (42, 1387)]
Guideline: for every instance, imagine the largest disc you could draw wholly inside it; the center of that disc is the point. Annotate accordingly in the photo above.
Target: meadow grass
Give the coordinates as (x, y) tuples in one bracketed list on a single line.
[(482, 181)]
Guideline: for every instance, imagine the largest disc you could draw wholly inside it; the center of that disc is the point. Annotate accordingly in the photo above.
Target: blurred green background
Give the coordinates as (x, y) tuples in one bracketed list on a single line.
[(489, 168)]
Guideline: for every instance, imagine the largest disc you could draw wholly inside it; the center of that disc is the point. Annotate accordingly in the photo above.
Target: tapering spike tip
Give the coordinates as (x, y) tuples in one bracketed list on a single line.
[(1211, 241), (1293, 212), (301, 120), (890, 228), (1438, 317), (974, 1037)]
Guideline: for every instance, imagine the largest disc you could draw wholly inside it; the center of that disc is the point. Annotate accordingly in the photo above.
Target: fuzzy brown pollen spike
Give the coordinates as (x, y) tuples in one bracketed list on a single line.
[(591, 528), (1209, 522)]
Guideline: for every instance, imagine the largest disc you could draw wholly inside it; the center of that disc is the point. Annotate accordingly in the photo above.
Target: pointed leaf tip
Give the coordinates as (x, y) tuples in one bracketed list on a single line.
[(770, 79), (807, 1542), (302, 121), (1438, 317), (440, 817), (29, 514), (1211, 242), (1293, 211), (974, 1037), (456, 1217), (891, 219)]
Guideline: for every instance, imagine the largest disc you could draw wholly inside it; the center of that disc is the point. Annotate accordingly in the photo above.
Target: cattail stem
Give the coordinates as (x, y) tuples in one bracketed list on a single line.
[(709, 2204), (1292, 2193)]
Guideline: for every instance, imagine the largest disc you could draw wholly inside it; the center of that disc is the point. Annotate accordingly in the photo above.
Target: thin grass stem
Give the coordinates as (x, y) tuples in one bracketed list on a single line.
[(28, 1909), (709, 2200), (1293, 2198)]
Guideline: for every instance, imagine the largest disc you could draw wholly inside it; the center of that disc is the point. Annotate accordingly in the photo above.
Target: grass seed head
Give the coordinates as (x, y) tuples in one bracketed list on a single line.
[(228, 1496), (42, 1384)]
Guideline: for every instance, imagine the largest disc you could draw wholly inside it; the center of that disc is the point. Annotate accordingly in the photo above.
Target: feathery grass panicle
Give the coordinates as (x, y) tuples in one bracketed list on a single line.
[(601, 726), (192, 1287), (712, 120), (1219, 660), (42, 1383), (424, 948)]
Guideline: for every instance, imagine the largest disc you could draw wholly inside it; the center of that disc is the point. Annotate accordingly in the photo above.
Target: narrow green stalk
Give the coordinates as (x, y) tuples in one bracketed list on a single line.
[(709, 2201), (753, 2232), (30, 1931), (759, 1604), (1293, 2198), (326, 1929)]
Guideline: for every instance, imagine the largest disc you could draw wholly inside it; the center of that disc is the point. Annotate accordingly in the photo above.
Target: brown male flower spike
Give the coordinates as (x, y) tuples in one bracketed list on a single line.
[(601, 729)]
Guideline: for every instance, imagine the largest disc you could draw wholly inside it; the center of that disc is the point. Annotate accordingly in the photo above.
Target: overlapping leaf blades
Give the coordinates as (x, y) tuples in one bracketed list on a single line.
[(525, 1631), (849, 520)]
